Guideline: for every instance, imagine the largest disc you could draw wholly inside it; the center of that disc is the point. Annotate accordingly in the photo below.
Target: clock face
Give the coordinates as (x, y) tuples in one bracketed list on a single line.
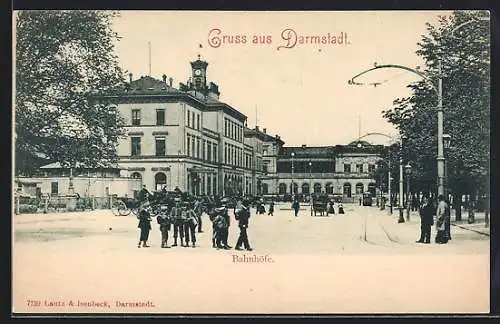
[(197, 72)]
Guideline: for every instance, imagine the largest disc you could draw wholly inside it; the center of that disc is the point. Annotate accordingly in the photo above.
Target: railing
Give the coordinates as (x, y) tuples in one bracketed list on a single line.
[(46, 204)]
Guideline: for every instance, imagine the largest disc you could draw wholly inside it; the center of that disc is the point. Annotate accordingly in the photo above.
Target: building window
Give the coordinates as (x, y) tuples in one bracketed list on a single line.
[(160, 146), (188, 142), (371, 168), (198, 147), (160, 117), (282, 188), (359, 188), (160, 181), (193, 120), (136, 117), (188, 118), (215, 153), (203, 150), (359, 168), (198, 121), (347, 167), (347, 190), (225, 153), (54, 188), (209, 151), (136, 146), (193, 148)]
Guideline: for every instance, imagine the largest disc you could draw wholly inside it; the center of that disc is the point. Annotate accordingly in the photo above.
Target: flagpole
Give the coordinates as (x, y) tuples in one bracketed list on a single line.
[(149, 46)]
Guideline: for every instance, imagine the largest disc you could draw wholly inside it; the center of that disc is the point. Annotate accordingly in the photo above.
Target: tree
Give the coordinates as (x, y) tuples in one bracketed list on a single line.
[(465, 57), (62, 57)]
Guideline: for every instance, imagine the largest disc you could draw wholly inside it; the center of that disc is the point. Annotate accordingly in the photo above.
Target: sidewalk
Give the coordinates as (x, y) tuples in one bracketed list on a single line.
[(412, 228)]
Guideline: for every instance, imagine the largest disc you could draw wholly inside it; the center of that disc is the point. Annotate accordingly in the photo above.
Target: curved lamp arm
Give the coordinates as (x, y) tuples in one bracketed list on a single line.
[(394, 66)]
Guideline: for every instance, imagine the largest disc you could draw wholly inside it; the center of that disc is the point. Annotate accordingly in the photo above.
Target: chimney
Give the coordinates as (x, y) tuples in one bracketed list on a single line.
[(164, 77), (130, 77), (170, 81), (264, 130)]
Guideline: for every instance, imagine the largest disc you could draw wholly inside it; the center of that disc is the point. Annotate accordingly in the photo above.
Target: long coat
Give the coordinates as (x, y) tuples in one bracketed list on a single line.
[(441, 216)]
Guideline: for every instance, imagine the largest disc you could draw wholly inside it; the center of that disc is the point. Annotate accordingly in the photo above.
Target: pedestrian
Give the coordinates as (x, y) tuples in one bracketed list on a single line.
[(360, 200), (163, 220), (341, 208), (426, 220), (225, 228), (176, 215), (145, 227), (271, 208), (220, 225), (441, 235), (198, 210), (242, 215), (296, 207), (144, 195), (190, 226), (447, 223)]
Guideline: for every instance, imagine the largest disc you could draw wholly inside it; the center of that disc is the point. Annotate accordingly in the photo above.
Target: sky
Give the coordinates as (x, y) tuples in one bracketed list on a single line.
[(298, 91)]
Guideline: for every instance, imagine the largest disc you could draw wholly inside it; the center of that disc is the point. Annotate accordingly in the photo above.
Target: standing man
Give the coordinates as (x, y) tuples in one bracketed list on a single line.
[(190, 225), (176, 216), (198, 210), (426, 220), (144, 195), (225, 228), (296, 206), (163, 220), (242, 215), (271, 208), (441, 236)]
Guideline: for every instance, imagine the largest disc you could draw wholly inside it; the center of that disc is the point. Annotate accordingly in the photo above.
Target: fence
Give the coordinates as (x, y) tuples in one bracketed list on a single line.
[(45, 204)]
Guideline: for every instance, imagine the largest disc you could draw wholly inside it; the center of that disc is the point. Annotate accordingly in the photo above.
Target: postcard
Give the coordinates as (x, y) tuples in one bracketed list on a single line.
[(251, 162)]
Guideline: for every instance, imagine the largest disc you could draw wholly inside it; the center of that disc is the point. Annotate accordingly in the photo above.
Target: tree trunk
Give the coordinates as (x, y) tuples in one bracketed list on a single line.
[(457, 203)]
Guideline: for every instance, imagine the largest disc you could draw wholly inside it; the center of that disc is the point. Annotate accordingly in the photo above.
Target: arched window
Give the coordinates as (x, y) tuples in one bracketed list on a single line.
[(282, 189), (359, 188), (329, 188), (347, 190), (160, 181), (305, 188), (317, 188), (137, 184), (295, 189)]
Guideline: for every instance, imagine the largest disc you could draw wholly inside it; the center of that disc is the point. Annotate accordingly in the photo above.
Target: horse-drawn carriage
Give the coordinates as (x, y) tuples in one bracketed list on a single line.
[(320, 205)]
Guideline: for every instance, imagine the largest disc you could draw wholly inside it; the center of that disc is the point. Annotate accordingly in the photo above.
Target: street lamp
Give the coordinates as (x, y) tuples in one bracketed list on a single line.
[(446, 144), (439, 92), (400, 207), (310, 183), (408, 173), (293, 188)]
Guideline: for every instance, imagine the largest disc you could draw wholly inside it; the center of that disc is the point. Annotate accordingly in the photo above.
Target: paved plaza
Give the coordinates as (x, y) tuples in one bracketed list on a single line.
[(360, 262)]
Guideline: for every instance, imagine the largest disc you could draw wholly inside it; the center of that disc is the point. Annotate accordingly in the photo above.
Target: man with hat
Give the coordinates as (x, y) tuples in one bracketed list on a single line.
[(242, 214), (227, 223), (163, 220), (176, 215), (190, 225)]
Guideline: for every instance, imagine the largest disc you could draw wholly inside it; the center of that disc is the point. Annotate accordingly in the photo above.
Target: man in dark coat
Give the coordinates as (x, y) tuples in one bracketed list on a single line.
[(176, 215), (145, 226), (144, 195), (296, 207), (242, 215), (426, 220), (163, 220), (190, 225)]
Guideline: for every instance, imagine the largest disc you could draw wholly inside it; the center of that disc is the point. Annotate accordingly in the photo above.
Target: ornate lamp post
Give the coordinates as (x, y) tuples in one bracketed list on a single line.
[(310, 182), (408, 194), (439, 92), (446, 145)]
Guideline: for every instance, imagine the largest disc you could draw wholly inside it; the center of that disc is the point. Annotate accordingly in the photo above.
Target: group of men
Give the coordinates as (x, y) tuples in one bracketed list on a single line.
[(184, 213)]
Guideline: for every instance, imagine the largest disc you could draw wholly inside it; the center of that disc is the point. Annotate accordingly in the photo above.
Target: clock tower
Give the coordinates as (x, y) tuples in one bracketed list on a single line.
[(199, 74)]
